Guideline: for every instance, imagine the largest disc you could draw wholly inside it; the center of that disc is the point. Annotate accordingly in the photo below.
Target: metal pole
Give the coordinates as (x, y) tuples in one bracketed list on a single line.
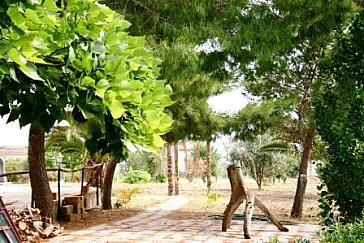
[(97, 187), (59, 194), (82, 175), (32, 201)]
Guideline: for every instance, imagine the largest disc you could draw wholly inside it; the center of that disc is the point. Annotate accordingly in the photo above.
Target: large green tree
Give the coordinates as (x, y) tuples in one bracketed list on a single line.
[(57, 56), (176, 35), (339, 106), (280, 46), (273, 45)]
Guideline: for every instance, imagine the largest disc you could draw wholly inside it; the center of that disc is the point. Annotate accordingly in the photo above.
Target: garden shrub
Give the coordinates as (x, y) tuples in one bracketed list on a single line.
[(297, 239), (161, 177), (137, 176), (17, 165), (213, 196), (125, 195), (344, 233), (339, 115)]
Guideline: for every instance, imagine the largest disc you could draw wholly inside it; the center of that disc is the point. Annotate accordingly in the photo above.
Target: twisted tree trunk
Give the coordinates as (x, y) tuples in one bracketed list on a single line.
[(37, 172), (239, 193)]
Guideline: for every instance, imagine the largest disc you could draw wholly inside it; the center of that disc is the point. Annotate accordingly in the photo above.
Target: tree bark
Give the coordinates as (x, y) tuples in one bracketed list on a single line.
[(169, 169), (107, 185), (37, 172), (196, 161), (208, 165), (187, 167), (302, 178), (176, 169), (239, 193)]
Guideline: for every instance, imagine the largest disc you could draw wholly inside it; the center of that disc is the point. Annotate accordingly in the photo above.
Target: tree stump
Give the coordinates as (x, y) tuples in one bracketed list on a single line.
[(239, 193)]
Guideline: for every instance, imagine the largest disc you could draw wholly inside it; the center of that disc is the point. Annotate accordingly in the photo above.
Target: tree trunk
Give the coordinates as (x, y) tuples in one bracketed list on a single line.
[(259, 185), (239, 193), (302, 178), (107, 185), (187, 167), (208, 165), (176, 169), (169, 169), (196, 161), (37, 172)]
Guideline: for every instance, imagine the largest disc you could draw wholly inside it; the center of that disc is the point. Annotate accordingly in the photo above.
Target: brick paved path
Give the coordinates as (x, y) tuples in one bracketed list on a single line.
[(152, 225)]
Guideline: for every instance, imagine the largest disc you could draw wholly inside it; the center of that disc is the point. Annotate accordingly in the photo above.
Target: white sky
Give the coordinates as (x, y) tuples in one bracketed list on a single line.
[(11, 134), (228, 102)]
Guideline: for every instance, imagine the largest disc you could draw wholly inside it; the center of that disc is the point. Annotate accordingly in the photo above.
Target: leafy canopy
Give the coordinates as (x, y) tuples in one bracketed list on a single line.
[(339, 113), (81, 57)]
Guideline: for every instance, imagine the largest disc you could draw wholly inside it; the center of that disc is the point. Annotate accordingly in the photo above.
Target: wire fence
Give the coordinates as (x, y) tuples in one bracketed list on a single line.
[(59, 173)]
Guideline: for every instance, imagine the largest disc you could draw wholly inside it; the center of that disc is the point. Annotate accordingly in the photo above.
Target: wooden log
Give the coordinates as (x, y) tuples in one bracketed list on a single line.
[(67, 209), (239, 193), (77, 202), (85, 190), (37, 217), (73, 217), (54, 195), (47, 231), (23, 225)]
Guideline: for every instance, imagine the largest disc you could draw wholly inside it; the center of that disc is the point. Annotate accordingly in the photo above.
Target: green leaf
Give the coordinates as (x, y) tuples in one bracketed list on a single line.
[(153, 119), (39, 44), (158, 141), (16, 16), (117, 109), (88, 81), (97, 47), (124, 93), (50, 5), (33, 16), (4, 68), (16, 56), (101, 86), (110, 96), (165, 123), (133, 66), (169, 89), (13, 74), (86, 114), (87, 63), (30, 70)]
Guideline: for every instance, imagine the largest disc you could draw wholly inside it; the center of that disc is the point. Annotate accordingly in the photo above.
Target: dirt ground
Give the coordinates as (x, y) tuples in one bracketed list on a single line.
[(277, 196)]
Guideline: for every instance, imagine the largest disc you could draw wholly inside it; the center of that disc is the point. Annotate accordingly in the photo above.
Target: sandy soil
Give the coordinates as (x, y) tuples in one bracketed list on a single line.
[(277, 196)]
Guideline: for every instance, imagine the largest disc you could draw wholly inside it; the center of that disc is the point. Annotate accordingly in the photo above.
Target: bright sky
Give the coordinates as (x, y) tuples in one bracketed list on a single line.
[(12, 135), (229, 102)]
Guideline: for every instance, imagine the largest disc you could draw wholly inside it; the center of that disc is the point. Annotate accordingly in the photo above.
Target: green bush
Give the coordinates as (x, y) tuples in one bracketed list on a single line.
[(125, 196), (137, 176), (344, 233), (161, 177), (297, 239), (17, 165), (339, 117), (213, 196)]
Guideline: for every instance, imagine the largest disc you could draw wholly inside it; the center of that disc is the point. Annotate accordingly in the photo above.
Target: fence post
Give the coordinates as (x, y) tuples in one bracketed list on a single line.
[(82, 176), (59, 194), (97, 188), (32, 201)]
